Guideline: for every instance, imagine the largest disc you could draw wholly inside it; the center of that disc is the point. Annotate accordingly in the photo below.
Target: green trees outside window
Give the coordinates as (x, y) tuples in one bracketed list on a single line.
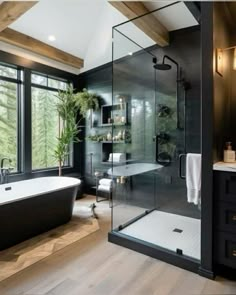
[(45, 121), (45, 128), (9, 115)]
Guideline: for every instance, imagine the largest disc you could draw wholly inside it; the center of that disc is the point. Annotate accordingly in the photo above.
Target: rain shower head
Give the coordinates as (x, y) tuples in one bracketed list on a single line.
[(162, 67), (165, 66)]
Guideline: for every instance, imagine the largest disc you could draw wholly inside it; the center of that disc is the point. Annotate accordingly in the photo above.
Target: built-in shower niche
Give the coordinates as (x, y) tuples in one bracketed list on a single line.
[(115, 114)]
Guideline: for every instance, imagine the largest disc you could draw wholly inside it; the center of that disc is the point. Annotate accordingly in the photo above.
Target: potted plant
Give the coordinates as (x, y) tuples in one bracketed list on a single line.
[(68, 106), (86, 101)]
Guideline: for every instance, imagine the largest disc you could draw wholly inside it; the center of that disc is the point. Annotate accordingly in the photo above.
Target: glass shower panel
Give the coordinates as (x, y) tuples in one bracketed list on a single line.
[(133, 146), (158, 90)]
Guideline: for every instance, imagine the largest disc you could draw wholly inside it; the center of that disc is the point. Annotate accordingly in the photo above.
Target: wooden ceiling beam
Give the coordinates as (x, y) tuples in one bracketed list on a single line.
[(12, 10), (149, 24), (26, 42)]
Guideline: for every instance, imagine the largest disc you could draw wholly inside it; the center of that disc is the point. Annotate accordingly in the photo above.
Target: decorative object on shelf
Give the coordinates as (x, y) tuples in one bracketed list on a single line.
[(122, 119), (120, 135), (117, 119), (97, 174), (97, 137), (163, 111), (126, 136), (163, 138), (109, 136), (121, 99)]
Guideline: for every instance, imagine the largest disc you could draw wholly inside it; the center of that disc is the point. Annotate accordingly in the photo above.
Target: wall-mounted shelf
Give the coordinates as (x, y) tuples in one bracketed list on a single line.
[(112, 125), (112, 116), (115, 141)]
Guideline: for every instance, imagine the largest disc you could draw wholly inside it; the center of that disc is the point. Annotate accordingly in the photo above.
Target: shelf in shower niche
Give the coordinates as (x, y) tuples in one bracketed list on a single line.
[(114, 125), (122, 141)]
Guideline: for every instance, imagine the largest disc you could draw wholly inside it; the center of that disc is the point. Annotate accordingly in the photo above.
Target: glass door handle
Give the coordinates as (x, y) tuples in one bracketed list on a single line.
[(156, 138), (180, 166)]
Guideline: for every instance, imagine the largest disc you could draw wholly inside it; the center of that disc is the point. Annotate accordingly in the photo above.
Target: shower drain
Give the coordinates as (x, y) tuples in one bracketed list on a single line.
[(177, 230)]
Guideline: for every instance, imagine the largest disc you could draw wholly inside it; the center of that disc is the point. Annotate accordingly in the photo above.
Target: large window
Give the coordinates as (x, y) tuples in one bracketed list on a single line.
[(10, 93), (45, 120)]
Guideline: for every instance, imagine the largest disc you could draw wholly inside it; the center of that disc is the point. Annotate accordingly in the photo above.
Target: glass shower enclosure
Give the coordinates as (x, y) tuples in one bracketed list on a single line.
[(155, 125)]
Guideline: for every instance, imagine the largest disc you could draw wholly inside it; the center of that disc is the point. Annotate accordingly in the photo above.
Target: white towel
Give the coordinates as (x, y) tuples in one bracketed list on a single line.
[(105, 181), (116, 157), (193, 178), (104, 188)]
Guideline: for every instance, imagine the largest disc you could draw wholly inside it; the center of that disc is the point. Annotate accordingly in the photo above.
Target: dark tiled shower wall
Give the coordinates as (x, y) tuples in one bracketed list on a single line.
[(100, 82), (185, 49)]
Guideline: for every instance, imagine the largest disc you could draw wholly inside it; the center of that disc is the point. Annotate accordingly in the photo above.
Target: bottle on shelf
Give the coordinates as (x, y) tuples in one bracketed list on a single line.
[(229, 154), (120, 135), (109, 136)]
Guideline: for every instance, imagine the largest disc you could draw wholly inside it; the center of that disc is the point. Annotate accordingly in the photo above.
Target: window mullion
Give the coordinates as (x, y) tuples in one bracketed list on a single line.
[(27, 153)]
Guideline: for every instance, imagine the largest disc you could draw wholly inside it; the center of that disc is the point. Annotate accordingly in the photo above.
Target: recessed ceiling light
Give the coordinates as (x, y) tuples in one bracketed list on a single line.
[(51, 38)]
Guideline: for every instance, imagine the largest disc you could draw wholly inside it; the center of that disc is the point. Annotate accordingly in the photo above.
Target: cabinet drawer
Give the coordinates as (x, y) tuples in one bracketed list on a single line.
[(225, 249), (225, 186), (225, 217)]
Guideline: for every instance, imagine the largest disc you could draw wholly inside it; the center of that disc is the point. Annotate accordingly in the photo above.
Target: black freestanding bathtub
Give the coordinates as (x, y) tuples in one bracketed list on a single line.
[(31, 207)]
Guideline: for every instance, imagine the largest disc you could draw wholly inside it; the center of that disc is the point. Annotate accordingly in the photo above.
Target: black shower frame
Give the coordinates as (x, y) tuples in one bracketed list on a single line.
[(203, 12)]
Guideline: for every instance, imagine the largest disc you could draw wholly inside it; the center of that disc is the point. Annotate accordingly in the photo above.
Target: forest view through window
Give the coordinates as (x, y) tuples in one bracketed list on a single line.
[(45, 120), (10, 89)]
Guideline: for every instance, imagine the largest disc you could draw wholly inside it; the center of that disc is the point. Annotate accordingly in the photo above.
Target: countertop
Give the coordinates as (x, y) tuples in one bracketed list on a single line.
[(222, 166)]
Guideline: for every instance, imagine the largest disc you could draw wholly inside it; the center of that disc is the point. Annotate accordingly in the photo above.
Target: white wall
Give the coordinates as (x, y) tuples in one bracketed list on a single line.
[(100, 46)]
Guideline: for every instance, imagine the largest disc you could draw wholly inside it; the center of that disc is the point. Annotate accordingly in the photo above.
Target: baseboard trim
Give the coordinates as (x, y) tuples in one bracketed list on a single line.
[(206, 273)]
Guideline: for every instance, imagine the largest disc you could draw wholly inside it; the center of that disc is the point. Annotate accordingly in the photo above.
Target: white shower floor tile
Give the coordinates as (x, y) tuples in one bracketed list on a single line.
[(158, 228)]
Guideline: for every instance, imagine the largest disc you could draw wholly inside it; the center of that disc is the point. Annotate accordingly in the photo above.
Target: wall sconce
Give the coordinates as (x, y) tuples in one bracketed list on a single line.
[(219, 59), (234, 65)]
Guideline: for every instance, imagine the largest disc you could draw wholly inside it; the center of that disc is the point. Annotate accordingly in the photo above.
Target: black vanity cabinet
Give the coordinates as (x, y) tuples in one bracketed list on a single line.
[(225, 218)]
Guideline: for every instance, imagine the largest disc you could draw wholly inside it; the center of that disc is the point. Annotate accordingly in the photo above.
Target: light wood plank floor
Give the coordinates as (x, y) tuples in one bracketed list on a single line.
[(92, 266)]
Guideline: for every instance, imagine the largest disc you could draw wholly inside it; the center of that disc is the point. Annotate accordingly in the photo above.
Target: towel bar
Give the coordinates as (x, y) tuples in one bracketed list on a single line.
[(180, 166)]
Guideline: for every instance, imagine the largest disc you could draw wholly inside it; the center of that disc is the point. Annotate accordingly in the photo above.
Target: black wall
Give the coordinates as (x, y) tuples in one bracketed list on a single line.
[(99, 81), (222, 83), (134, 76)]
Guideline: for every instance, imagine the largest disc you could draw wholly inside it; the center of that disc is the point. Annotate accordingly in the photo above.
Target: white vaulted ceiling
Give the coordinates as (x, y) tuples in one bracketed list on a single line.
[(84, 27)]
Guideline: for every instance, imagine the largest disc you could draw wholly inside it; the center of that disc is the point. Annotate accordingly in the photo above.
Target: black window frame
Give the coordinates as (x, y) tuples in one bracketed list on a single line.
[(19, 90), (25, 155), (48, 88)]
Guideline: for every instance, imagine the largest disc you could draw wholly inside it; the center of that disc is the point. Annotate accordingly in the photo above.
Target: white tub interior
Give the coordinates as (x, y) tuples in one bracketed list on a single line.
[(34, 187)]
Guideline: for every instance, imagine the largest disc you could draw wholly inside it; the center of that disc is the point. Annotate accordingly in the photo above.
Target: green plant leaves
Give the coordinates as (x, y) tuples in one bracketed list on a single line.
[(68, 106)]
